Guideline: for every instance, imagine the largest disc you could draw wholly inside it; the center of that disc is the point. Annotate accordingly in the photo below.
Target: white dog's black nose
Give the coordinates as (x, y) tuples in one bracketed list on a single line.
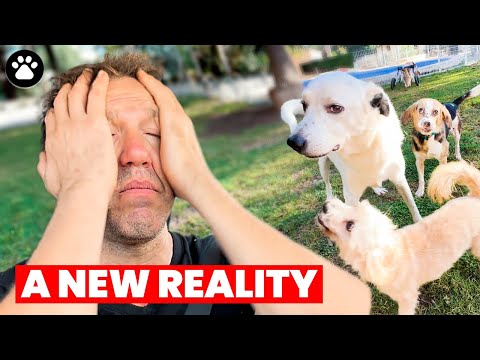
[(297, 142)]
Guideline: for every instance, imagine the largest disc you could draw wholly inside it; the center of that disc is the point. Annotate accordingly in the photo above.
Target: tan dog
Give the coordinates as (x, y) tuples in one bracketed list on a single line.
[(399, 261), (407, 77), (432, 123)]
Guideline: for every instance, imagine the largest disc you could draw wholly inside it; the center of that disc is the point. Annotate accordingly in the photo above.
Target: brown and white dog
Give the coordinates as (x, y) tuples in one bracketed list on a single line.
[(432, 123), (399, 261)]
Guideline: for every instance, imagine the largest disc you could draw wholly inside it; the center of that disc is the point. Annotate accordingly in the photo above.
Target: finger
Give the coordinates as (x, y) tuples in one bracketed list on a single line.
[(97, 96), (49, 123), (163, 96), (60, 104), (77, 98), (42, 165)]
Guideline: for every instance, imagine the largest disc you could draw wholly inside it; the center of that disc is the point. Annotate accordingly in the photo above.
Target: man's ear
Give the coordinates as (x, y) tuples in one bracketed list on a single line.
[(378, 99), (42, 164)]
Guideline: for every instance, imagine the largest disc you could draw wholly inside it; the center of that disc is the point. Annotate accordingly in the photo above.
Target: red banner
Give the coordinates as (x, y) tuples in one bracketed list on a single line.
[(169, 284)]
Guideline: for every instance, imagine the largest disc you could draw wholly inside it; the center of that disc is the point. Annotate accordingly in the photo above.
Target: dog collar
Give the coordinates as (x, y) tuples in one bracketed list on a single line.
[(426, 137)]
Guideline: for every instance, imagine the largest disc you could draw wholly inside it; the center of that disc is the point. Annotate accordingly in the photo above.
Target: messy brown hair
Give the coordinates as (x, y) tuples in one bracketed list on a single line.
[(124, 65)]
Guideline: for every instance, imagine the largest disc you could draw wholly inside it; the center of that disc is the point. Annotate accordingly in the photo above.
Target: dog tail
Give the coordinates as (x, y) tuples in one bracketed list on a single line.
[(288, 111), (469, 94), (445, 178)]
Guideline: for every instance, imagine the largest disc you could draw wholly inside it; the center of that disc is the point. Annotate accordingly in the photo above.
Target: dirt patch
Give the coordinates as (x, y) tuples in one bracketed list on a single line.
[(259, 144), (236, 122)]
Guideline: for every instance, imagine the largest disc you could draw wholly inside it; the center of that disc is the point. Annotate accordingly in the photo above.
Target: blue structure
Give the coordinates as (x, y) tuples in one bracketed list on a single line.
[(386, 70)]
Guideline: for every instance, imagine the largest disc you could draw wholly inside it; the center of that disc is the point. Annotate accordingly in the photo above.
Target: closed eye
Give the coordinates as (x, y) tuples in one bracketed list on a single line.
[(334, 108), (155, 135)]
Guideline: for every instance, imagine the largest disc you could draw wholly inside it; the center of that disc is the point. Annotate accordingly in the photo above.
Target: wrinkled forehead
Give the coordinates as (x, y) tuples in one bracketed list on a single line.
[(127, 94), (335, 86)]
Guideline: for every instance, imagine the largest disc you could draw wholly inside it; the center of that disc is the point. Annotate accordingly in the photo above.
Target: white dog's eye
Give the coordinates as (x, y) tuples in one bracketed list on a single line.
[(349, 225), (335, 109), (304, 104), (420, 110), (435, 112)]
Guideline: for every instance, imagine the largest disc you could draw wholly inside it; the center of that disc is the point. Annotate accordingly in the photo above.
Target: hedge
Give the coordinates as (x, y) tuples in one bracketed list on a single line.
[(328, 64)]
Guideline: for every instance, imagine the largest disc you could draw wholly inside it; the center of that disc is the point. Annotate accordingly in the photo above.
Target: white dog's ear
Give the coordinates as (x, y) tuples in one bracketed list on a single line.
[(288, 111), (378, 99)]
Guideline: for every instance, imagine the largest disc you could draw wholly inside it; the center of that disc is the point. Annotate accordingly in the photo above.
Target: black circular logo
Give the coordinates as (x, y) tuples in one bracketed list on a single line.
[(24, 69)]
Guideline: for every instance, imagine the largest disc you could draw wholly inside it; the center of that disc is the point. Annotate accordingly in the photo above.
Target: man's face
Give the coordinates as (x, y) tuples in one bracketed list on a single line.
[(143, 199)]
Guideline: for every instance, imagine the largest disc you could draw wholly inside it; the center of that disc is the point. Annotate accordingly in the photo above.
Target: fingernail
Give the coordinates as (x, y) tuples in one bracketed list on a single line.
[(102, 74), (88, 73)]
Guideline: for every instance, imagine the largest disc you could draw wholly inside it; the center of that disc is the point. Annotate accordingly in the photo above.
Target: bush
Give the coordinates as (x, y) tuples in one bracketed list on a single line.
[(328, 64)]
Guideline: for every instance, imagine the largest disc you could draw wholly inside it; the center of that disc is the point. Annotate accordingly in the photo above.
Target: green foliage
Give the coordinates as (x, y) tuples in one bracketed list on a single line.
[(244, 60), (328, 64)]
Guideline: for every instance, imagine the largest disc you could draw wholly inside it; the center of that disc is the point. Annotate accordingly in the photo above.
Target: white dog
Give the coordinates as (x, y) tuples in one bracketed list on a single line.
[(353, 124), (399, 261)]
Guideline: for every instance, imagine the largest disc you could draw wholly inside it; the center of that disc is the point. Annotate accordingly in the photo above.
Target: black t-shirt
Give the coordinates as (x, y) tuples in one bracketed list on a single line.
[(187, 250)]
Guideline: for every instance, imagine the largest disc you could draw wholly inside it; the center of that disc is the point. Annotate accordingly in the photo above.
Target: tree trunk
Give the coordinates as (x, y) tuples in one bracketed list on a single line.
[(52, 58), (196, 63), (180, 65), (327, 51), (224, 59), (8, 89), (288, 77)]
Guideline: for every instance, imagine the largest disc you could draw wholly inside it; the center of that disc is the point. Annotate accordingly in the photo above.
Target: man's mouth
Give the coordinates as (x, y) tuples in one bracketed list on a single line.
[(140, 187)]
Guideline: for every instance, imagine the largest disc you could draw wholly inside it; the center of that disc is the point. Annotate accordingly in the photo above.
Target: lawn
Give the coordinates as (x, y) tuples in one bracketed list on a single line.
[(271, 180)]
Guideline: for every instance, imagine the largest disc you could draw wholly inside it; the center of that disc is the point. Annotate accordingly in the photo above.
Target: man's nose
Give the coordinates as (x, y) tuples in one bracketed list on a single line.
[(135, 151)]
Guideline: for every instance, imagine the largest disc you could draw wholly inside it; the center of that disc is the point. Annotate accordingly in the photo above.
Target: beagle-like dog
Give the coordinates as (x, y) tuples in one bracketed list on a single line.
[(432, 123)]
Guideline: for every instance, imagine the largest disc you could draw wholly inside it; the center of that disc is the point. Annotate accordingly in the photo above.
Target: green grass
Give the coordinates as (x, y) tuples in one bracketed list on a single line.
[(272, 181)]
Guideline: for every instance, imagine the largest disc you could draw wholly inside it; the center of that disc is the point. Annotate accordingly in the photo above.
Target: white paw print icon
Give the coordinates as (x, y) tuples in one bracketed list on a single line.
[(24, 67)]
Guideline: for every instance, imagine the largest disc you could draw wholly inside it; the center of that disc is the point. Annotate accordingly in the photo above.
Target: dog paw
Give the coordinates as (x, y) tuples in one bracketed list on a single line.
[(24, 68), (420, 192), (458, 157), (380, 190)]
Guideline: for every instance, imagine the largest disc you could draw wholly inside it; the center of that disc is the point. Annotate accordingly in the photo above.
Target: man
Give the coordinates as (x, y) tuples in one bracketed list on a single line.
[(155, 156)]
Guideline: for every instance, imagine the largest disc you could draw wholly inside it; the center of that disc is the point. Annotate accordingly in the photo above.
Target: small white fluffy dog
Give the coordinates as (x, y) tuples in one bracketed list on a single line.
[(399, 261), (353, 124)]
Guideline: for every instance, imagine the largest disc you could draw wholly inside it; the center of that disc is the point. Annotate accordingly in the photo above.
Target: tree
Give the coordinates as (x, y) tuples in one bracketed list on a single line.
[(52, 58), (8, 89), (288, 77), (224, 59)]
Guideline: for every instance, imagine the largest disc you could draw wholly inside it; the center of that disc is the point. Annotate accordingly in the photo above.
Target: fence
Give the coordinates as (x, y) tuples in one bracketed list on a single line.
[(389, 55)]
